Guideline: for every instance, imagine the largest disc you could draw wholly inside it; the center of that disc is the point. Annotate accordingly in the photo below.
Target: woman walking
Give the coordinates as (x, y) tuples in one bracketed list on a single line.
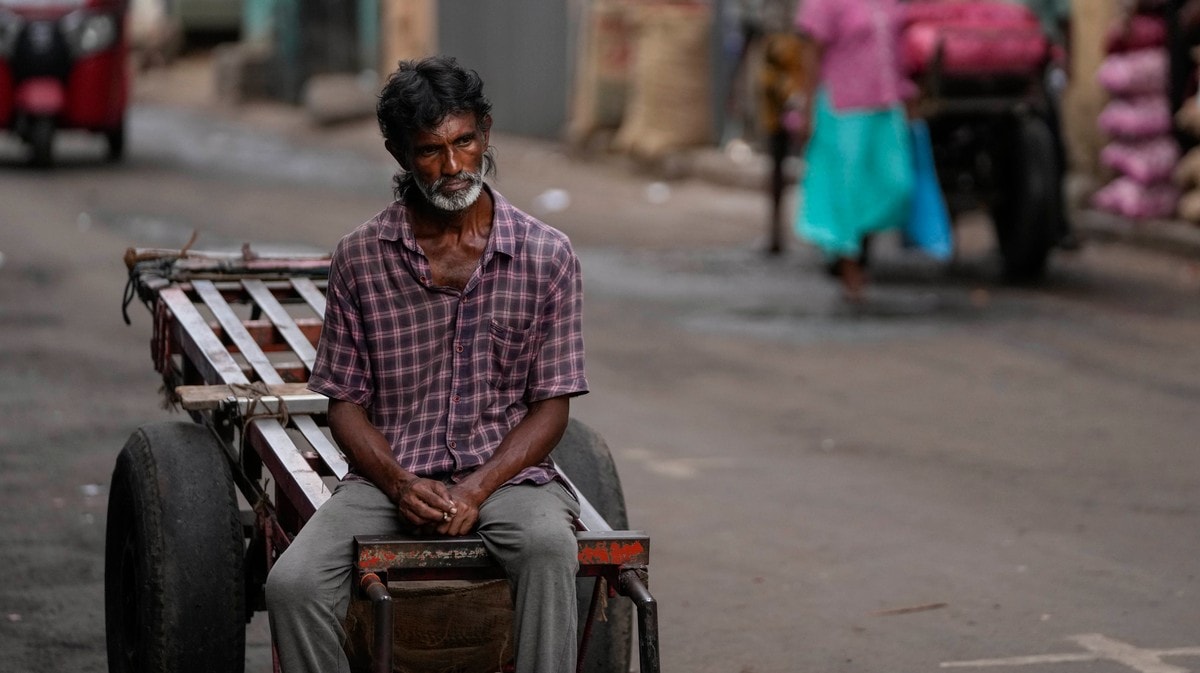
[(859, 174)]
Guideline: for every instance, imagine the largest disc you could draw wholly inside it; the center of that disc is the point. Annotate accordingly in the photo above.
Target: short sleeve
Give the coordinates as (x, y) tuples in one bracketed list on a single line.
[(342, 369), (558, 366), (818, 19)]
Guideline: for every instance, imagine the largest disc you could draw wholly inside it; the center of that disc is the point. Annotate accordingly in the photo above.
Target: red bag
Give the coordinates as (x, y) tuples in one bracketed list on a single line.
[(983, 37)]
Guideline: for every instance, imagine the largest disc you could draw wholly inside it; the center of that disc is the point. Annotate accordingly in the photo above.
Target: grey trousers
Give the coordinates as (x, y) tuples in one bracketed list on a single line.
[(527, 528)]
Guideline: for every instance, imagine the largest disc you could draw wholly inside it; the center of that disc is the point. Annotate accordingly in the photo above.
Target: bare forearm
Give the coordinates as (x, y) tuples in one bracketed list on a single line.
[(526, 445), (366, 448)]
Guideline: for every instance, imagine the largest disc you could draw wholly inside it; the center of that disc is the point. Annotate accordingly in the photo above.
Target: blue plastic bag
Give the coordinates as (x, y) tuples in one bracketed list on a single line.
[(928, 226)]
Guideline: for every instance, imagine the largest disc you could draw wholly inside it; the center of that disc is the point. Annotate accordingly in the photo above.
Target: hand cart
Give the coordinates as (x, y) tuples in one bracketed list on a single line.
[(995, 130), (199, 510)]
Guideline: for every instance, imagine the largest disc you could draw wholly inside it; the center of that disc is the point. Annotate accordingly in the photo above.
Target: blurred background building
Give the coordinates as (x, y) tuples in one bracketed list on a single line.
[(640, 77)]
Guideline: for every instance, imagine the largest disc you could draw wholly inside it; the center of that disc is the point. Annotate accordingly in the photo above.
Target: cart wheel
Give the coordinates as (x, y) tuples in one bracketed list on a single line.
[(114, 140), (1029, 197), (173, 586), (585, 458), (41, 142)]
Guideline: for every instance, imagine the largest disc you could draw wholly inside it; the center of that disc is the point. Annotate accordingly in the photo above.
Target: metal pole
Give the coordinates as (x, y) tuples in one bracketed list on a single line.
[(587, 626), (381, 600), (647, 609)]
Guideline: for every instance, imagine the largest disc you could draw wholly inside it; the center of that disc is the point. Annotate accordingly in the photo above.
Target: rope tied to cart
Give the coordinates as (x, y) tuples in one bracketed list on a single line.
[(257, 407), (158, 262)]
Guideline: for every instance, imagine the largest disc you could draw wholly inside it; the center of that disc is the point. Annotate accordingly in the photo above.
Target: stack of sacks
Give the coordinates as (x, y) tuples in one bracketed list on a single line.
[(1187, 177), (985, 37), (1138, 120), (1187, 173)]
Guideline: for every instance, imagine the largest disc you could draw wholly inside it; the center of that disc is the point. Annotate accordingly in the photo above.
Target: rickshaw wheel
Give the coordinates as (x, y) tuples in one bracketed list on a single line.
[(584, 457), (114, 140), (1028, 197), (41, 142), (173, 585)]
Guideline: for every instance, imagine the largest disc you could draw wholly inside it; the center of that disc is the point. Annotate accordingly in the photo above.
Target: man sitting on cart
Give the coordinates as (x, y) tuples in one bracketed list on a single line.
[(451, 346)]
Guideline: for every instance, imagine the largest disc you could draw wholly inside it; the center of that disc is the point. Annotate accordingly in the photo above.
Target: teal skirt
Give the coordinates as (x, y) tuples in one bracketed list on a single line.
[(858, 177)]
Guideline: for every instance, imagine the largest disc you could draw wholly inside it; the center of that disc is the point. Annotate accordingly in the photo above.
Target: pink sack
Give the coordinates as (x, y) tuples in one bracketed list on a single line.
[(1127, 198), (1135, 73), (973, 38), (1140, 32), (1136, 118), (984, 11), (1145, 162)]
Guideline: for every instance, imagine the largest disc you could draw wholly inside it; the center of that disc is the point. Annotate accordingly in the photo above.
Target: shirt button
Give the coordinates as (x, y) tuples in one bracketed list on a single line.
[(455, 398), (458, 348), (423, 279), (454, 445)]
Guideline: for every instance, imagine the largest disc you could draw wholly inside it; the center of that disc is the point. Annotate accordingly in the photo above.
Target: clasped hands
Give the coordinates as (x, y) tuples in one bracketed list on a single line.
[(433, 507)]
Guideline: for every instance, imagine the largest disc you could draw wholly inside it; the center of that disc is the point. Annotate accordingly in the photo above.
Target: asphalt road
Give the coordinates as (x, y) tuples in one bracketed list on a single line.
[(960, 472)]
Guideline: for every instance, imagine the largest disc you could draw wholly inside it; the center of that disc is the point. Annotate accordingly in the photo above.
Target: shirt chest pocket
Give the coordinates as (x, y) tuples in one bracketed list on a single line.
[(508, 361)]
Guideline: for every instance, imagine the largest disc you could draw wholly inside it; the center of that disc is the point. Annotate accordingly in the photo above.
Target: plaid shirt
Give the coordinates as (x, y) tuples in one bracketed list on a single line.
[(443, 374)]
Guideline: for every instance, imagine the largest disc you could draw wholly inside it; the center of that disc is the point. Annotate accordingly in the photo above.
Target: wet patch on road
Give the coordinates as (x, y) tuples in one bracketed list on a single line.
[(203, 144), (789, 298)]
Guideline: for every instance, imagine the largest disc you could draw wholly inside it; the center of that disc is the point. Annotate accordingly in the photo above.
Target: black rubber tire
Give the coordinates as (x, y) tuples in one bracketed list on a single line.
[(41, 142), (1029, 197), (584, 457), (114, 141), (173, 584)]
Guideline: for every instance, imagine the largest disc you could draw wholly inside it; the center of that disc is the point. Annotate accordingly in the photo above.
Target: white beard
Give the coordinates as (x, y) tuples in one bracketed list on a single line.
[(460, 200)]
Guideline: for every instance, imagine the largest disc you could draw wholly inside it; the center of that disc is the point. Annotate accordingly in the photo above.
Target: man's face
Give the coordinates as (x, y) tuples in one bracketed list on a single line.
[(447, 162)]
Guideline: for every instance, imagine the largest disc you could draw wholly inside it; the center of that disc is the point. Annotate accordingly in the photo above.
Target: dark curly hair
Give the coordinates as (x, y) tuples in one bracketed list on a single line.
[(419, 95)]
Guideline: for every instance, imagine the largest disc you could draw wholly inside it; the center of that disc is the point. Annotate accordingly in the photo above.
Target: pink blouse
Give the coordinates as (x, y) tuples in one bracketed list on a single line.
[(861, 65)]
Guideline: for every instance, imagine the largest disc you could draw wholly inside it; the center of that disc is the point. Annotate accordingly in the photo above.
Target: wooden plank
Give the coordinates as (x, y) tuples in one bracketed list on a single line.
[(283, 322), (308, 289), (297, 396), (329, 453), (300, 483), (236, 332), (203, 347)]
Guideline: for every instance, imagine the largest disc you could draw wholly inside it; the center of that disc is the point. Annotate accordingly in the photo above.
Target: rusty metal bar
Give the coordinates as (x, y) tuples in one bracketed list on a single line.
[(596, 548), (206, 351), (381, 600), (237, 332), (283, 321), (647, 611), (311, 293)]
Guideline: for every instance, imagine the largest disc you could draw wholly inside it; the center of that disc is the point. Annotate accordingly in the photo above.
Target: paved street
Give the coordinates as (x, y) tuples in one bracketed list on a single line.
[(961, 475)]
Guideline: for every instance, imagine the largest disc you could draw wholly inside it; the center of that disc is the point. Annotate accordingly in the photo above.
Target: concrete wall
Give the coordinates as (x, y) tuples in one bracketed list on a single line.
[(522, 49), (1090, 22), (407, 31)]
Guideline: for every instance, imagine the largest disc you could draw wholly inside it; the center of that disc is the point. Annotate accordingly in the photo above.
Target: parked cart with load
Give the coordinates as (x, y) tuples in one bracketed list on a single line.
[(982, 67), (200, 509)]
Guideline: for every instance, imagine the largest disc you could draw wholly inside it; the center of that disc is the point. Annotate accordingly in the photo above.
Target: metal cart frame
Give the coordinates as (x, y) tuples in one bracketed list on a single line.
[(234, 339)]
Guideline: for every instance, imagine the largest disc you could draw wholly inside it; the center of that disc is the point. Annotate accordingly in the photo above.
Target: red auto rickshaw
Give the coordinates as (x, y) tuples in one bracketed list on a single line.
[(63, 65)]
